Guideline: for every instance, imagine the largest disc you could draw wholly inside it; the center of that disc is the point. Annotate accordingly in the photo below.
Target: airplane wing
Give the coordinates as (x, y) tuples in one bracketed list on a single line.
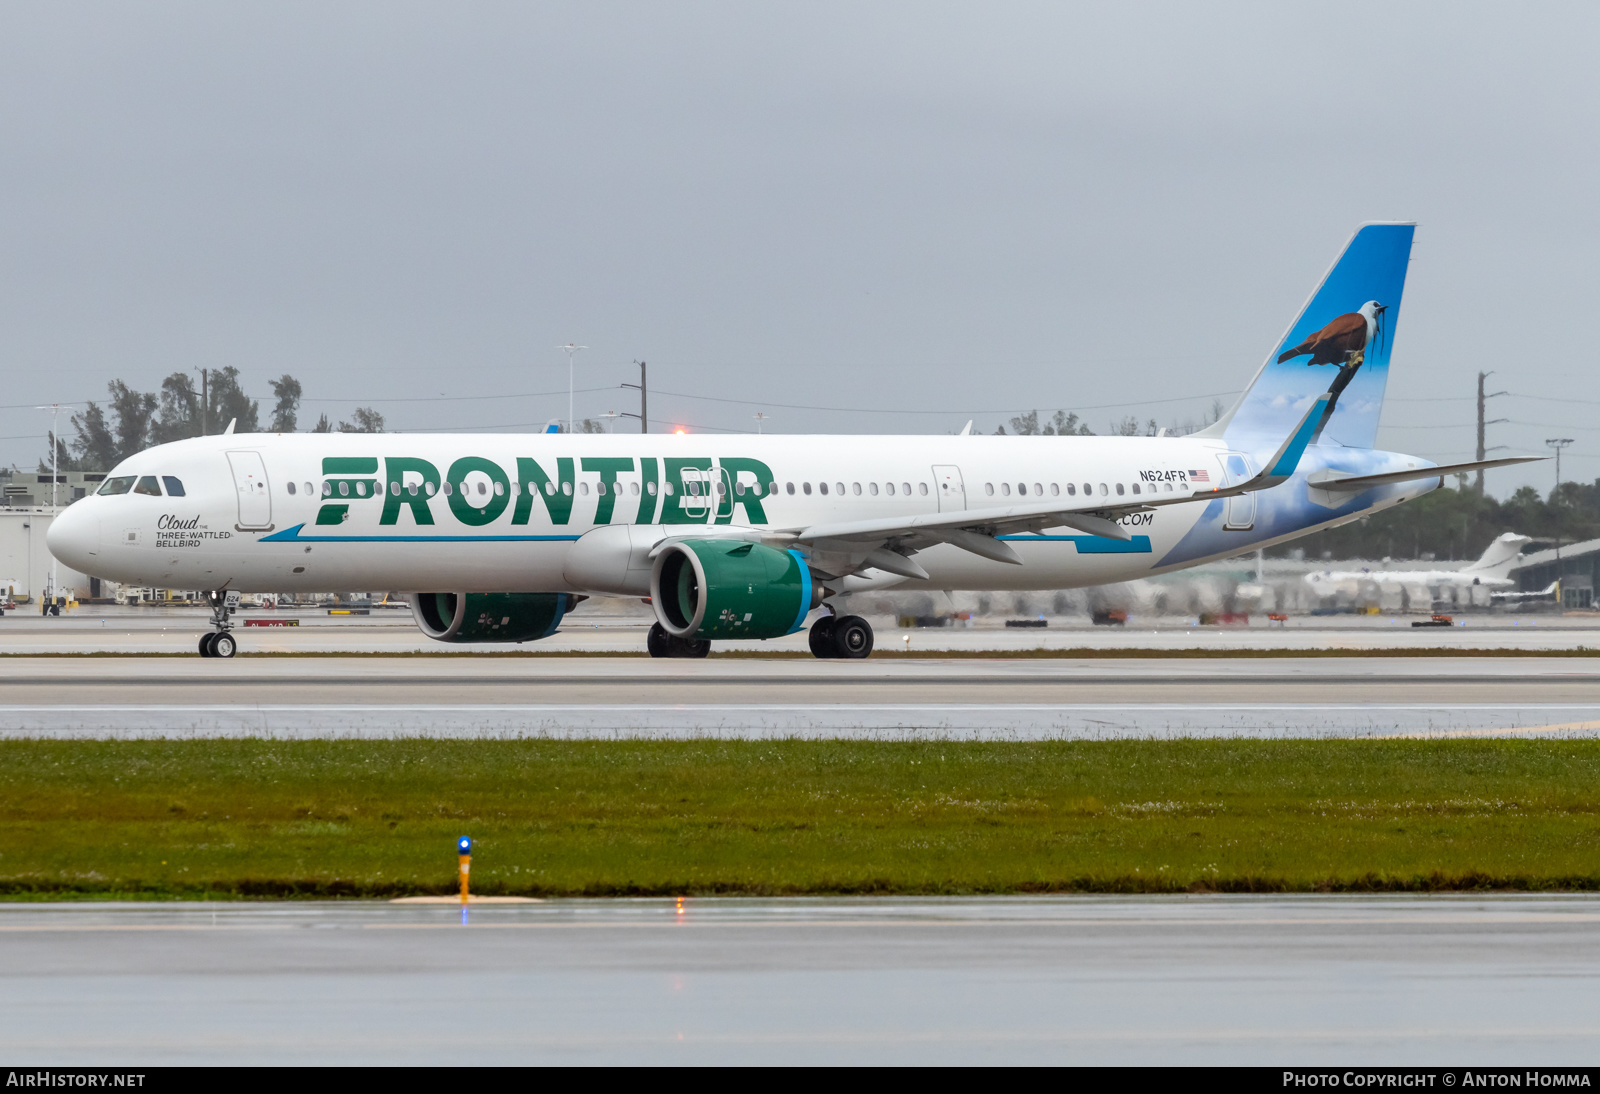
[(885, 542), (1342, 483)]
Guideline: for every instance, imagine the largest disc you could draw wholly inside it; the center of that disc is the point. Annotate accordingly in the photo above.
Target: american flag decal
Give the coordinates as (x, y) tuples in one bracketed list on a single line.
[(1199, 476)]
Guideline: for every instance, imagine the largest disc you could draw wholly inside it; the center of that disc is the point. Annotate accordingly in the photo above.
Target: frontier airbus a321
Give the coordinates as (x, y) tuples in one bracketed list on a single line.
[(497, 537)]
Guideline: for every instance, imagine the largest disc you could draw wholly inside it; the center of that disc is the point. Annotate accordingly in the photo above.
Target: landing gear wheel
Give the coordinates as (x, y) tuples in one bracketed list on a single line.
[(205, 643), (852, 637), (223, 645), (658, 641), (821, 638), (662, 644)]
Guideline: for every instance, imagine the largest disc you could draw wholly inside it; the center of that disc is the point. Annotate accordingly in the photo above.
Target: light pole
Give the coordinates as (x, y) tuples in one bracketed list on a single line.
[(760, 419), (610, 417), (55, 449), (570, 349), (1558, 443), (644, 400)]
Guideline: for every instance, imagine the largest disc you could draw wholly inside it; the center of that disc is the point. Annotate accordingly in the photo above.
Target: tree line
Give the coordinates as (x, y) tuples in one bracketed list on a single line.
[(1456, 523), (1065, 424), (132, 420)]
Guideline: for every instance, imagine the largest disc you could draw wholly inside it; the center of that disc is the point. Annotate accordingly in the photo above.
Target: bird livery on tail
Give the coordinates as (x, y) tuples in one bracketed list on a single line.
[(1342, 342)]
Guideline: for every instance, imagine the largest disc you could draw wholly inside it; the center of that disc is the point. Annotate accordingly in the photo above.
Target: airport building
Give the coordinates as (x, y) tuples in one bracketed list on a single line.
[(1575, 565), (25, 561)]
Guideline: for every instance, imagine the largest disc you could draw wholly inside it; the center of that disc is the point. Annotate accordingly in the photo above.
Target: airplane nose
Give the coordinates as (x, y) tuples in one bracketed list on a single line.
[(74, 537)]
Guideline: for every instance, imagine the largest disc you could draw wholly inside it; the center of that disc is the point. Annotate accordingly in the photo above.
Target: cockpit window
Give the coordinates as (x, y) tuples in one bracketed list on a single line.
[(119, 485), (173, 484), (147, 485)]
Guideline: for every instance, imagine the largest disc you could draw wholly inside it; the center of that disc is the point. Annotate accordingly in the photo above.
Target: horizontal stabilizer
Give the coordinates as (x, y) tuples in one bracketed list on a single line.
[(1351, 484)]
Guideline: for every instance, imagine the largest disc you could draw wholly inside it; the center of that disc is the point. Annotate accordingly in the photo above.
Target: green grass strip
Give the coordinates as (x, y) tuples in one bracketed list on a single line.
[(252, 818)]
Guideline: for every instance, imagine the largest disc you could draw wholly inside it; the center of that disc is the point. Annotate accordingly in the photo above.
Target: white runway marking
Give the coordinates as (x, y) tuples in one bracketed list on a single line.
[(1021, 721)]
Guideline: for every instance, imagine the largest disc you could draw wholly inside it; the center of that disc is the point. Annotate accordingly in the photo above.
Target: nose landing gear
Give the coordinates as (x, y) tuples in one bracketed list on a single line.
[(219, 643)]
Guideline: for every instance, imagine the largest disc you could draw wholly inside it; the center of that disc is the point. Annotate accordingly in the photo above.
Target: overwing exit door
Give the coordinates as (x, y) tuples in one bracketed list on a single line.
[(250, 483), (1241, 515), (951, 490)]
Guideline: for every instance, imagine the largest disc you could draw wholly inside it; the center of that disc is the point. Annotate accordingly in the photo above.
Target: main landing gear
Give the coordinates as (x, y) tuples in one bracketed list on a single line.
[(662, 644), (219, 643), (847, 636)]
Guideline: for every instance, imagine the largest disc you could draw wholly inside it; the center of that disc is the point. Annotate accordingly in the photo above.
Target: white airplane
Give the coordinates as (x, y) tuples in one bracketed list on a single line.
[(495, 537), (1492, 570)]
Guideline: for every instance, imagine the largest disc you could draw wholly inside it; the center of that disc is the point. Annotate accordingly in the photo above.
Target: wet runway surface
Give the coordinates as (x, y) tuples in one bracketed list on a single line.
[(1347, 980), (994, 699)]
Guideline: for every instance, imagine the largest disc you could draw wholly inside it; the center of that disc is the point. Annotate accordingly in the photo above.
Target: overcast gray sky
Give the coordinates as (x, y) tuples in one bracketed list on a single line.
[(916, 213)]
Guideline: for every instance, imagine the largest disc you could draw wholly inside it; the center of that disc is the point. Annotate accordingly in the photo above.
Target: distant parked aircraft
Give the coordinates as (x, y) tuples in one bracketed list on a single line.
[(1492, 571)]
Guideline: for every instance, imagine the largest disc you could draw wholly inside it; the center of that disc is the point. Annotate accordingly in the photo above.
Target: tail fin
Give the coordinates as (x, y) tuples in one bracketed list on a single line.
[(1338, 345), (1501, 556)]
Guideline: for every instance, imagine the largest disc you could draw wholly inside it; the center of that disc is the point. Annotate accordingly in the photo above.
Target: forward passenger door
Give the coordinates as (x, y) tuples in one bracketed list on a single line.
[(250, 484)]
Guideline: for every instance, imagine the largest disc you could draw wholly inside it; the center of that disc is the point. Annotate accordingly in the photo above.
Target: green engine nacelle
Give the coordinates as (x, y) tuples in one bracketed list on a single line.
[(718, 588), (490, 617)]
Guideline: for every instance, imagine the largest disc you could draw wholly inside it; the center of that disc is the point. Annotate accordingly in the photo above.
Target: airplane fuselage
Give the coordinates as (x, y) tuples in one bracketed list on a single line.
[(503, 513)]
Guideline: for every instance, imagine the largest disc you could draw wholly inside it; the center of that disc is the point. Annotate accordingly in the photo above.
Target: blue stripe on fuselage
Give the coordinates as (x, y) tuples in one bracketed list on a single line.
[(292, 535), (1091, 545)]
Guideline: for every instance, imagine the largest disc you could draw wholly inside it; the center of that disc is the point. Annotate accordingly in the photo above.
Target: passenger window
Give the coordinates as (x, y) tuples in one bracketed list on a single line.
[(327, 488), (738, 488), (361, 488), (650, 488), (291, 489), (1103, 490), (988, 488), (805, 488), (344, 489), (1022, 489), (566, 488), (772, 488), (1087, 489), (1168, 487), (922, 488), (175, 486), (310, 490), (1055, 489), (666, 488), (822, 486), (147, 485), (840, 487), (1072, 491), (583, 488), (789, 488), (1119, 488), (412, 489), (448, 489), (1005, 489), (889, 487), (499, 489), (1037, 489), (872, 486), (430, 488), (1135, 488), (119, 485), (855, 488)]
